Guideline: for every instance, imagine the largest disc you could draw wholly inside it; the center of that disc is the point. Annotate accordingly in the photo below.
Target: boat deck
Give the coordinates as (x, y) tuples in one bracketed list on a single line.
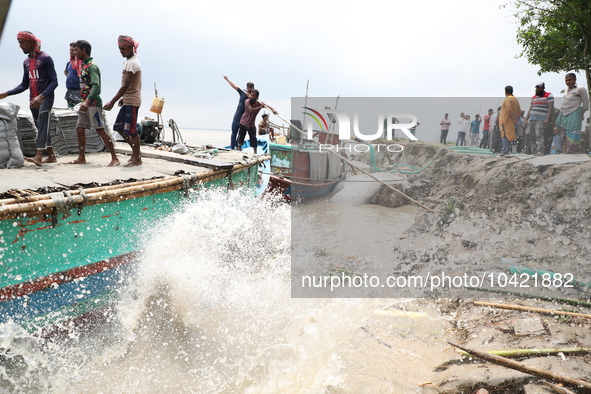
[(156, 163)]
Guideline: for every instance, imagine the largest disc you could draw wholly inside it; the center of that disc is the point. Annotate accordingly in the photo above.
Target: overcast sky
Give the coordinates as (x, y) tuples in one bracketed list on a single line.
[(420, 48)]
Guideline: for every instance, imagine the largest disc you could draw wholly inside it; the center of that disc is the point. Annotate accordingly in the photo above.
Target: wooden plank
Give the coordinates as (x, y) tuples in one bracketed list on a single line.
[(170, 156)]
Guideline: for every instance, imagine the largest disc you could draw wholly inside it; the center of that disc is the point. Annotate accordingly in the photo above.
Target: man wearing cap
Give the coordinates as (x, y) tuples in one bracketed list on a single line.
[(508, 117), (130, 95), (539, 117), (572, 113), (41, 79)]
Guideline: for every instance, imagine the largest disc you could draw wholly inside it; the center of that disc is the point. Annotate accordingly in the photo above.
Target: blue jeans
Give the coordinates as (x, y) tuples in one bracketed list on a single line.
[(461, 141), (484, 141), (557, 139), (234, 136), (41, 116), (504, 145)]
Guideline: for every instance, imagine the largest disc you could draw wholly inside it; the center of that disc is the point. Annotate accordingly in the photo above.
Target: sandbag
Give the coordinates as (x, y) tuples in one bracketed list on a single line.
[(11, 155), (64, 139), (27, 133)]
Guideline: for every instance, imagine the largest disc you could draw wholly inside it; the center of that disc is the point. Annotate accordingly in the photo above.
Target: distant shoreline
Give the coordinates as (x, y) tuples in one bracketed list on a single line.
[(201, 128)]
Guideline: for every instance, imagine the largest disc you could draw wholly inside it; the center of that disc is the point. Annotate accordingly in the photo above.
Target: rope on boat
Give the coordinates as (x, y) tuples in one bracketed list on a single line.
[(189, 181), (64, 202), (84, 200), (230, 183)]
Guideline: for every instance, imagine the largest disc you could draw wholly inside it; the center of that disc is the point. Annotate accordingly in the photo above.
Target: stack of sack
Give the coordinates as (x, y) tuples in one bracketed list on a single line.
[(27, 133), (62, 130), (11, 155)]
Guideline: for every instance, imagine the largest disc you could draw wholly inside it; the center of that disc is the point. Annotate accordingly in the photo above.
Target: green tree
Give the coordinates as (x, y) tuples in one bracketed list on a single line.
[(555, 34)]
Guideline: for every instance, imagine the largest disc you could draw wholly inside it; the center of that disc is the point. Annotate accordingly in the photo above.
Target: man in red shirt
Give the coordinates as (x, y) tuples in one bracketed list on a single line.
[(486, 130), (247, 121)]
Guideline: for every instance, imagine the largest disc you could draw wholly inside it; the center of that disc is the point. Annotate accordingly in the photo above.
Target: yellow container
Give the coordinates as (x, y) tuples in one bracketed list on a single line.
[(281, 140), (157, 105)]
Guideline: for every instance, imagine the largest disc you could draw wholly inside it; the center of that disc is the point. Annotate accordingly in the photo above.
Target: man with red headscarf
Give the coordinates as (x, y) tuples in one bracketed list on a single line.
[(40, 78), (130, 95), (72, 73)]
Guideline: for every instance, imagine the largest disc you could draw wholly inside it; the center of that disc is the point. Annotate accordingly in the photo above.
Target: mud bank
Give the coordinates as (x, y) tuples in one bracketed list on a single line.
[(494, 213), (502, 219)]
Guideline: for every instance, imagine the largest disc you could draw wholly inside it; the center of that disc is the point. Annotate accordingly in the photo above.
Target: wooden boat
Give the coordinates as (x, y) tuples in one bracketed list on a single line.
[(300, 172), (67, 248)]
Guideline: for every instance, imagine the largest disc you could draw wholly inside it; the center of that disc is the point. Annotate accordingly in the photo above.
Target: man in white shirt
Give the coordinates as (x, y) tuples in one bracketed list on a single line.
[(130, 95), (461, 140), (572, 113)]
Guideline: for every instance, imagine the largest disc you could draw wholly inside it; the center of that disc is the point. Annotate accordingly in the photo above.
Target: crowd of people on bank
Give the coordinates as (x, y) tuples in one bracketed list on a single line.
[(544, 129)]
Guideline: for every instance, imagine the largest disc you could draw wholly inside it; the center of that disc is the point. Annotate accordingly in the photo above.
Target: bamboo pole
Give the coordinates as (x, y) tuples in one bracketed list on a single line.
[(20, 200), (107, 194), (532, 309), (103, 198), (558, 389), (37, 206), (534, 352), (568, 301), (528, 369), (74, 192)]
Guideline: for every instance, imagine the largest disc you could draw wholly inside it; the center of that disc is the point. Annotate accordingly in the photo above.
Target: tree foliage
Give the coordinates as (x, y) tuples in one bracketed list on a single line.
[(555, 34)]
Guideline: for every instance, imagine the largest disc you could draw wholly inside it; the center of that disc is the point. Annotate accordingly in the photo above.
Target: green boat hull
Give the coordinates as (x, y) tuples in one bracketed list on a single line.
[(55, 267)]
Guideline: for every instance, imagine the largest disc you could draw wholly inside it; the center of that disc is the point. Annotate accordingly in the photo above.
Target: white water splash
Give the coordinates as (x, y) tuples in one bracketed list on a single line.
[(210, 311)]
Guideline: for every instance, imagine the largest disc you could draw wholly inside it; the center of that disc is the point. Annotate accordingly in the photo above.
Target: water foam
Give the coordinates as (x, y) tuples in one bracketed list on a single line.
[(208, 311)]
